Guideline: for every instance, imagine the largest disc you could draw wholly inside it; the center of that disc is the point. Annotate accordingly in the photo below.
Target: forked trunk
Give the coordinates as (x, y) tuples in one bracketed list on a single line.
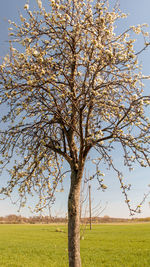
[(74, 220)]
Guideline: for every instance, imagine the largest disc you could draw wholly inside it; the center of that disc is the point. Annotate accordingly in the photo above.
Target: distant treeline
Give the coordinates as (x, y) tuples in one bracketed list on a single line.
[(31, 220), (17, 219)]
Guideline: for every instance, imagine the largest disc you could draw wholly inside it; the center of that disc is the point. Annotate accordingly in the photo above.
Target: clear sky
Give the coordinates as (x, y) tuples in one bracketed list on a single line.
[(140, 178)]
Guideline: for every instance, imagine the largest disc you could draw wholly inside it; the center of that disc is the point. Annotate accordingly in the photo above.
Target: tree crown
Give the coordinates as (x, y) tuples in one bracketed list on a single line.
[(74, 85)]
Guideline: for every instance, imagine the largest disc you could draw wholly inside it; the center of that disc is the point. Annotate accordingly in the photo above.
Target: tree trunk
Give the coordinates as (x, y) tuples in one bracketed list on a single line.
[(74, 220)]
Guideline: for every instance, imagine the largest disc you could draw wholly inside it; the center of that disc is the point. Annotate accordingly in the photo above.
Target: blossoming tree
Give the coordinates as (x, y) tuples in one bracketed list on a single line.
[(70, 85)]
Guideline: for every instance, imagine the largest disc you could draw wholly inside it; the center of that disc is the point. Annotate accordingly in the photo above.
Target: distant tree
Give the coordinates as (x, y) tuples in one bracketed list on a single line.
[(70, 85), (87, 208)]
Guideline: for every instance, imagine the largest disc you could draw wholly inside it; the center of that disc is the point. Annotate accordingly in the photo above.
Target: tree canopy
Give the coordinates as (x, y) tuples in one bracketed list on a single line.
[(75, 84)]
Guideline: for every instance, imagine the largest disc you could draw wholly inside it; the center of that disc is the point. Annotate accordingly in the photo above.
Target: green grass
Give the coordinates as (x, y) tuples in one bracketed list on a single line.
[(46, 246)]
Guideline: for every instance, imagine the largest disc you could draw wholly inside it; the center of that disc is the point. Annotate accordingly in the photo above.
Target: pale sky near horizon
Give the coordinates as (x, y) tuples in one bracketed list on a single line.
[(140, 178)]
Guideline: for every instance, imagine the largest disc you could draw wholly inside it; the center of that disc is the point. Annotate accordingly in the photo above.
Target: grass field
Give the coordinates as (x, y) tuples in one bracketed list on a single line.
[(104, 246)]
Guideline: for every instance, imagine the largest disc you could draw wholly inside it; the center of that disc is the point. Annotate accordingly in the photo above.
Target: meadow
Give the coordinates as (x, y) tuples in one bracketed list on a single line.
[(46, 246)]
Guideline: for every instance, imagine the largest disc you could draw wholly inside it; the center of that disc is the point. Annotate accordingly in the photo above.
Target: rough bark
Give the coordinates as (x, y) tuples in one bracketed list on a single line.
[(74, 220)]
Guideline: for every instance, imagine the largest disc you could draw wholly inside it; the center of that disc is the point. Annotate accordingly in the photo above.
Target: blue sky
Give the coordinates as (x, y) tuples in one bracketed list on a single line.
[(140, 178)]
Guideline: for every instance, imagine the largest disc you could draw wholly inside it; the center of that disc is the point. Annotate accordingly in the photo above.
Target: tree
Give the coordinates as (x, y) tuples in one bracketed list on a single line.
[(70, 84), (88, 211)]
